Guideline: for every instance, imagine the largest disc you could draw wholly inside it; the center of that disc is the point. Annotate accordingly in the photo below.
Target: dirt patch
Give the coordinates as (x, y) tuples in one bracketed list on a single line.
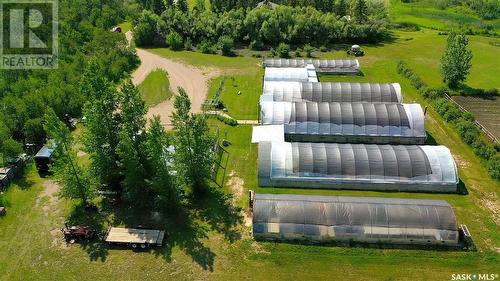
[(257, 247), (460, 161), (57, 239), (81, 153), (50, 191), (490, 201), (193, 80), (236, 184)]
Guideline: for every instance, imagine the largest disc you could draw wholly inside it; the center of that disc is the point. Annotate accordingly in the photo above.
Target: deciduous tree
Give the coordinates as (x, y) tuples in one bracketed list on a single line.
[(456, 60)]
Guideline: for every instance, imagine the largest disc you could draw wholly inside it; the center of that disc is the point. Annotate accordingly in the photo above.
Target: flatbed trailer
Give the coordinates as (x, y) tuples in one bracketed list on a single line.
[(135, 237)]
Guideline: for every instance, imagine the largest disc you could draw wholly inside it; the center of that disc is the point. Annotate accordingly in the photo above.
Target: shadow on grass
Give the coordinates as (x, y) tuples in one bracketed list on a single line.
[(186, 228), (468, 91)]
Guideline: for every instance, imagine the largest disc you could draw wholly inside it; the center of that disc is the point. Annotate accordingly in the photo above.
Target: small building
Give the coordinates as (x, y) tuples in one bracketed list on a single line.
[(298, 74), (43, 159), (332, 92), (347, 122), (361, 219), (414, 168), (333, 66)]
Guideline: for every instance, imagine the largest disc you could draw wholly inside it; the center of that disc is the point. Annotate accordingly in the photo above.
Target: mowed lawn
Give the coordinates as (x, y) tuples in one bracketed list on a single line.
[(155, 88), (31, 247)]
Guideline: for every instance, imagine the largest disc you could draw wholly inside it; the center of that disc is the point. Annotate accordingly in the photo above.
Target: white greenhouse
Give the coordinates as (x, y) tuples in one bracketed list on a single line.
[(416, 168), (362, 219), (301, 74), (332, 92), (347, 122), (334, 66)]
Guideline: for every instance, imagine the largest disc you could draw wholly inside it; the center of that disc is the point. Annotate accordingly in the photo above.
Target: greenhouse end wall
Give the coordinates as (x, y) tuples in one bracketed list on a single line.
[(362, 219)]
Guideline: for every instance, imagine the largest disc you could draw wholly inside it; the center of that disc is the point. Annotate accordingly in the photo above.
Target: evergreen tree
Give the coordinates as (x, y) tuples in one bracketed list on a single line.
[(456, 60), (360, 11), (160, 166), (341, 8), (194, 144), (182, 5), (102, 124), (76, 181)]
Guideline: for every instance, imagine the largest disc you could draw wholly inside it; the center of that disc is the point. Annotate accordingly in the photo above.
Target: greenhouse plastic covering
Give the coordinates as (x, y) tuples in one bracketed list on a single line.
[(332, 92), (357, 166), (303, 74), (322, 65), (365, 219), (402, 121)]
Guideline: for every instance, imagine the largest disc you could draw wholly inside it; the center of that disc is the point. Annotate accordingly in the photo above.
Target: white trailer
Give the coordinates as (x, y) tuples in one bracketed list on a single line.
[(134, 237)]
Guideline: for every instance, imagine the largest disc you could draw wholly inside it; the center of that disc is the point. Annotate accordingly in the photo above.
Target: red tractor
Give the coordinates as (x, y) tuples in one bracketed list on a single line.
[(77, 233)]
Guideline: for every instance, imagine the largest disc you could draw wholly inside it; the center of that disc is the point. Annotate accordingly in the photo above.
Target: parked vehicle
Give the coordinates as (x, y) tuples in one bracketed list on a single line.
[(136, 238), (356, 51), (43, 159), (74, 234)]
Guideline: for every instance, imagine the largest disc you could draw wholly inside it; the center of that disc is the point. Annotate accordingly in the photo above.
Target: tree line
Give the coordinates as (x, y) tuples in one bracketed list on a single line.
[(83, 35), (259, 28), (147, 167)]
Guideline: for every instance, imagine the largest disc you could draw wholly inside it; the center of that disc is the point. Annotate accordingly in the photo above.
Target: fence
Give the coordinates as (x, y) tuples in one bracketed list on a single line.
[(481, 127)]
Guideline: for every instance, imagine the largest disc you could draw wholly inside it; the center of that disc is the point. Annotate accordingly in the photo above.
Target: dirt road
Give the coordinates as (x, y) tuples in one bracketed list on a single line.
[(192, 79)]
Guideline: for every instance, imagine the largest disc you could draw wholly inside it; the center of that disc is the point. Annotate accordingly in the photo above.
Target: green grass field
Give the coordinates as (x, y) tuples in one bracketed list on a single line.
[(31, 247), (427, 13), (155, 88)]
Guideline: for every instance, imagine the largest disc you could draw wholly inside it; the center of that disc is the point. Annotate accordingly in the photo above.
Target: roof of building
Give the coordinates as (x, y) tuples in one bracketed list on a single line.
[(364, 163), (331, 92), (333, 118)]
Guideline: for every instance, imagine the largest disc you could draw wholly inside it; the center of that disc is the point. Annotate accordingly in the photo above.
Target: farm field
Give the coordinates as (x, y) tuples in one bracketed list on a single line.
[(485, 111)]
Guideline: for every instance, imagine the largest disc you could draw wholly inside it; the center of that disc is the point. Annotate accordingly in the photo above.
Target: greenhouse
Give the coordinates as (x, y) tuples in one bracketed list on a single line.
[(347, 122), (303, 74), (357, 166), (337, 66), (362, 219), (332, 92)]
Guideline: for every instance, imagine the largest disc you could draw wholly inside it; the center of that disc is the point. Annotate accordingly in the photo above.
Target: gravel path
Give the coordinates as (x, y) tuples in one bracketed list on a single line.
[(192, 79)]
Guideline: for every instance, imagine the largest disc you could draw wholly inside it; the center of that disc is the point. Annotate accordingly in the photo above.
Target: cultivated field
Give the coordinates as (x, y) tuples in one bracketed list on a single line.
[(485, 111)]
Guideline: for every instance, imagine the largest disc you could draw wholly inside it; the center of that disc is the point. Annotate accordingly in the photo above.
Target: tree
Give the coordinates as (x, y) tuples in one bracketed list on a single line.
[(34, 132), (283, 50), (160, 166), (199, 6), (182, 5), (174, 41), (193, 144), (145, 32), (456, 60), (308, 49), (360, 11), (341, 8), (226, 45), (102, 124), (76, 181)]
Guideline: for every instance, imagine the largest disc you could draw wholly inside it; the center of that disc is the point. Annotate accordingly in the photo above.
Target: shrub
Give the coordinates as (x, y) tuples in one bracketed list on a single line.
[(483, 150), (206, 47), (226, 45), (468, 131), (283, 50), (494, 167), (308, 49), (174, 41), (188, 44), (323, 49)]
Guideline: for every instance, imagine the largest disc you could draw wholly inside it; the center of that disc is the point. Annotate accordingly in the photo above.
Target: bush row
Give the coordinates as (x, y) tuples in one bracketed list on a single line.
[(463, 121)]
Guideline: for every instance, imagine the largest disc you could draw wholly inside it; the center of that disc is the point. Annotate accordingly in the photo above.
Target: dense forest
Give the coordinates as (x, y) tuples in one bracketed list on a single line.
[(260, 27), (83, 35)]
